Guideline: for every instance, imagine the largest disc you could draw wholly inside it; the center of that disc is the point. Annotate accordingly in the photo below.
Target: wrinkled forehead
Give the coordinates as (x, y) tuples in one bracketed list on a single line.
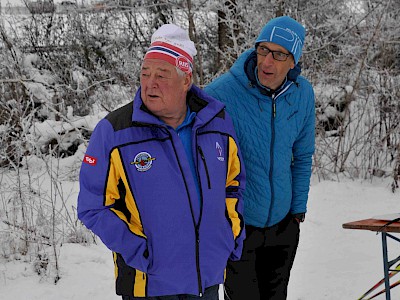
[(157, 64)]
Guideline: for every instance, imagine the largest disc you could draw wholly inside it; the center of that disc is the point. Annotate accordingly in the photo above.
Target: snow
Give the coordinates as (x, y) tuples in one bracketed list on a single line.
[(337, 263), (86, 273), (331, 263)]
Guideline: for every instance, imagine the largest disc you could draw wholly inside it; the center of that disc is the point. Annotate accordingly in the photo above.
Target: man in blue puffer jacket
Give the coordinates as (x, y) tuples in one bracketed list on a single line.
[(272, 108)]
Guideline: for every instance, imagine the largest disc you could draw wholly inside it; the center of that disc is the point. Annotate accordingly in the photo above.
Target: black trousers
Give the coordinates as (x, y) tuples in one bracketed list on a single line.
[(264, 269)]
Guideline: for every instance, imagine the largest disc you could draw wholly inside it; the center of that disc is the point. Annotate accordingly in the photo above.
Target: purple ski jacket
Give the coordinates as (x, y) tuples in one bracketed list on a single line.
[(137, 193)]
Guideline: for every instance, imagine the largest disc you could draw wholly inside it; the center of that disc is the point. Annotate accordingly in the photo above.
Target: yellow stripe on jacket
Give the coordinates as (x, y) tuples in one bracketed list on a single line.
[(233, 172), (117, 173)]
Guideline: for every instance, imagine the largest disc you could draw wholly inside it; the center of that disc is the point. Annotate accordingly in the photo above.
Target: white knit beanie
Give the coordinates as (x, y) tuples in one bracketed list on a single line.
[(173, 45)]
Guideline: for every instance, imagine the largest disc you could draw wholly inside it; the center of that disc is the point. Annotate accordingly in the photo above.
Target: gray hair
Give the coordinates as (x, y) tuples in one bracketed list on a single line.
[(183, 74)]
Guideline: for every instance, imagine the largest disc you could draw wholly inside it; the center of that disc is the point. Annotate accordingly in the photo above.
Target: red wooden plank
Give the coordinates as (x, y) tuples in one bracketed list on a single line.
[(373, 225)]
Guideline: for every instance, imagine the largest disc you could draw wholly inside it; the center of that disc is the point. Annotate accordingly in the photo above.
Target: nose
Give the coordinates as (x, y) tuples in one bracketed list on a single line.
[(151, 81), (268, 59)]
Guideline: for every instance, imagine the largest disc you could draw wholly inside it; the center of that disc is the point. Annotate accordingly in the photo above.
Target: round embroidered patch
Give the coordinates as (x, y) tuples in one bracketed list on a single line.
[(143, 161)]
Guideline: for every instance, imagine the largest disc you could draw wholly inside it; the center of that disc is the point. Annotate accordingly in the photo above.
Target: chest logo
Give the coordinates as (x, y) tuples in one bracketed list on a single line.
[(219, 152), (143, 161)]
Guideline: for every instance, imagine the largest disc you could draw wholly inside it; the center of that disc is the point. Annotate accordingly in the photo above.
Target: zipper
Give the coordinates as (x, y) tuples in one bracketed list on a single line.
[(201, 213), (198, 261), (271, 168), (271, 153), (203, 158)]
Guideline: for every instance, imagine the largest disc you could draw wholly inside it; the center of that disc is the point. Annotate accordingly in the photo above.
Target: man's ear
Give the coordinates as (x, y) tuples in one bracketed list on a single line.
[(188, 81)]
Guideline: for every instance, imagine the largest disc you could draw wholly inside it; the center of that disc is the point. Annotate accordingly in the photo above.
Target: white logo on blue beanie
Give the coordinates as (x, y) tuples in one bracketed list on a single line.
[(285, 32), (284, 36)]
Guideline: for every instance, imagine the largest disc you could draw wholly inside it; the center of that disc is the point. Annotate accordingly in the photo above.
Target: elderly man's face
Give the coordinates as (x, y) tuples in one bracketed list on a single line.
[(271, 72), (164, 91)]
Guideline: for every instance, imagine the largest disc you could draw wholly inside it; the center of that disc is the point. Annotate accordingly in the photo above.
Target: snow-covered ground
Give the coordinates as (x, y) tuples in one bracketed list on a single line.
[(336, 263), (332, 262)]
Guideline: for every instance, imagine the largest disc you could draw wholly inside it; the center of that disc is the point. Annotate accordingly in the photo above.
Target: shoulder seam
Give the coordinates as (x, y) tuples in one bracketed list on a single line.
[(121, 118)]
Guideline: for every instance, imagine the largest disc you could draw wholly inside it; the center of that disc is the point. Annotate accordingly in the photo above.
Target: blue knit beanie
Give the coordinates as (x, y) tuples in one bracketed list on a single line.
[(285, 32)]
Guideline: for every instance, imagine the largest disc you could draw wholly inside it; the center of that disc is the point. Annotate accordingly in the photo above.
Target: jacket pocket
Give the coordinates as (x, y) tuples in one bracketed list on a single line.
[(203, 158), (128, 281)]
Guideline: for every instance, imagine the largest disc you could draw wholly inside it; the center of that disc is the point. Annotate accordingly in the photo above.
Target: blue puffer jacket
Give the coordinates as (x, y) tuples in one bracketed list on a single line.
[(276, 137), (138, 194)]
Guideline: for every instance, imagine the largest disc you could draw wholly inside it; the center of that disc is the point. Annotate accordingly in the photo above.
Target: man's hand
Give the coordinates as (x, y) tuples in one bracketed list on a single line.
[(299, 217)]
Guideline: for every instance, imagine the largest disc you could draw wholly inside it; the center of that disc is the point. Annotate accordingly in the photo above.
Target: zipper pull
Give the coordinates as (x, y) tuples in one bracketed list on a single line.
[(273, 105)]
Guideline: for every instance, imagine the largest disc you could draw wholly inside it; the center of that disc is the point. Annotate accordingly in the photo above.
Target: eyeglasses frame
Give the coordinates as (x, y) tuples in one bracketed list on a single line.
[(273, 53)]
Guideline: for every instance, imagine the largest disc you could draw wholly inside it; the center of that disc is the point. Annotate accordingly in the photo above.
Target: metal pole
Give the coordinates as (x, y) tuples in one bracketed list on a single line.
[(386, 265)]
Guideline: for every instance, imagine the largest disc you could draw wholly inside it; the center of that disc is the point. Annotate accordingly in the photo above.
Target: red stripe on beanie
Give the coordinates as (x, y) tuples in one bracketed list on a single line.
[(171, 54), (174, 48)]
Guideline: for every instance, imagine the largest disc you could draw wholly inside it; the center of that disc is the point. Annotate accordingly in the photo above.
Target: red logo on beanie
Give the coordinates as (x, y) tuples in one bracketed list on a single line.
[(90, 160), (184, 64)]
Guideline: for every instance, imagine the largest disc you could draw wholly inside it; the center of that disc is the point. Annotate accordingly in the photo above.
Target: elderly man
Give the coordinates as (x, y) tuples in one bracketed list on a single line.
[(272, 108), (162, 179)]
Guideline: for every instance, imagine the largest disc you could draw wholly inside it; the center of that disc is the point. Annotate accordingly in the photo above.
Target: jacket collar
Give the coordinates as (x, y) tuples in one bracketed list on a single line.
[(204, 106)]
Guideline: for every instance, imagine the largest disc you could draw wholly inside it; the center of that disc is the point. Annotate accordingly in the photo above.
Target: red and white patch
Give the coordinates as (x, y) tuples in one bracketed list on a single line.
[(90, 160), (183, 63)]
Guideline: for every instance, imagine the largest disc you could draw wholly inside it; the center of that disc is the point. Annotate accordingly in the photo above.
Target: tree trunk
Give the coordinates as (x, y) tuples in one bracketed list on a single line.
[(228, 30)]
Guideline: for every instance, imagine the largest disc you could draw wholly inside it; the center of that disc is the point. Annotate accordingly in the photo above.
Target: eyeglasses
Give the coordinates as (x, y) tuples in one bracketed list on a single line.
[(277, 55)]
